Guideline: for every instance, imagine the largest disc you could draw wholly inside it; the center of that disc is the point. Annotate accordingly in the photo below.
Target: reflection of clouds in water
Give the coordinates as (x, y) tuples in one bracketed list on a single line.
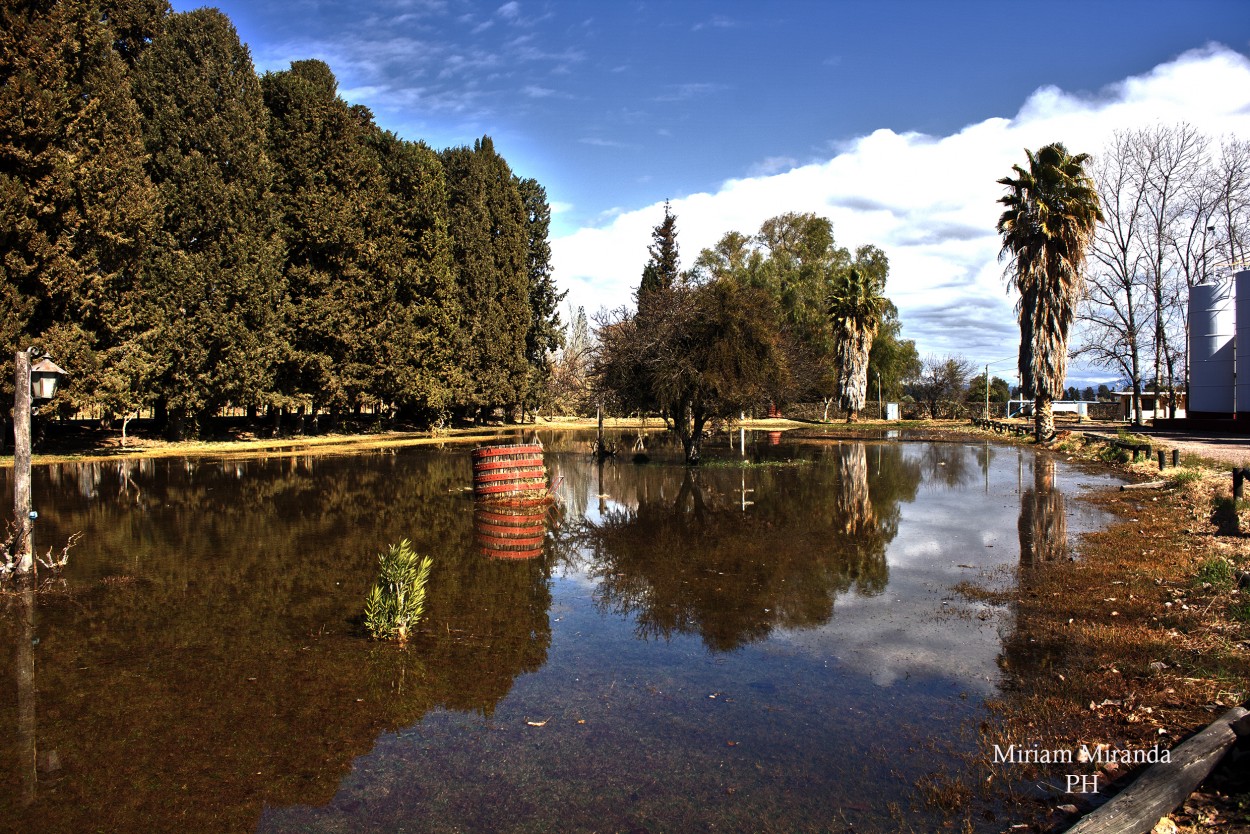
[(907, 632), (960, 520), (947, 535)]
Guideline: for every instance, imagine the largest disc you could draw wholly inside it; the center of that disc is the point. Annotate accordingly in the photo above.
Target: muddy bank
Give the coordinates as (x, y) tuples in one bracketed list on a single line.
[(1122, 647)]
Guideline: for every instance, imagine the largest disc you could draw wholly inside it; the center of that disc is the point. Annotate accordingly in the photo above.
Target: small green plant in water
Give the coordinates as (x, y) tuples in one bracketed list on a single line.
[(397, 599)]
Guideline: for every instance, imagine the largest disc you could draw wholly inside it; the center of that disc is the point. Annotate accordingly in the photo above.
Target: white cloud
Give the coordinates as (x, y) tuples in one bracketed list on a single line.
[(929, 202)]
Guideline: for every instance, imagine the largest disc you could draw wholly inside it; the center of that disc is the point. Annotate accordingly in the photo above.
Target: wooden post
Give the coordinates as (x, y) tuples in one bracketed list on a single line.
[(1239, 476), (24, 550), (1176, 458), (1163, 461)]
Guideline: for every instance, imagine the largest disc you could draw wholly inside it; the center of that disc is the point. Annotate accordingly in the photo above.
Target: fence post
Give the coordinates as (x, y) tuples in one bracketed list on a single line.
[(1239, 476), (1162, 460)]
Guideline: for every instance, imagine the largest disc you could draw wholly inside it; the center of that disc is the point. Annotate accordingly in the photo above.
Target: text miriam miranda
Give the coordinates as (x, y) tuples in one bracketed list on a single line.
[(1098, 754)]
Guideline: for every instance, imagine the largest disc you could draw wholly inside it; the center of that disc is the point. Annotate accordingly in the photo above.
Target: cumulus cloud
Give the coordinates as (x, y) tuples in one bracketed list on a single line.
[(929, 201)]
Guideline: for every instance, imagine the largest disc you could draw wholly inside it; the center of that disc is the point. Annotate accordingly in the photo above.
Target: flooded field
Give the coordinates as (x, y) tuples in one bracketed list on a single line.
[(769, 643)]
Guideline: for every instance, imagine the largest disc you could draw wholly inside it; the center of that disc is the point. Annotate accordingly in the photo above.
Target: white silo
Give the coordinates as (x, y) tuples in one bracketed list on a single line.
[(1242, 403), (1212, 326)]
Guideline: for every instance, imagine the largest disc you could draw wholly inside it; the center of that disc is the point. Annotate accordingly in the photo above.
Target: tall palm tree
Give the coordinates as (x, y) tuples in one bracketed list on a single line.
[(857, 306), (1048, 223)]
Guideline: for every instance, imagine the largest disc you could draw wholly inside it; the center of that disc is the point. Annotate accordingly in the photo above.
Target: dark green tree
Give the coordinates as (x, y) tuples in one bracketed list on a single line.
[(213, 279), (545, 334), (343, 249), (696, 350), (663, 269), (135, 24), (76, 207), (490, 250), (420, 338)]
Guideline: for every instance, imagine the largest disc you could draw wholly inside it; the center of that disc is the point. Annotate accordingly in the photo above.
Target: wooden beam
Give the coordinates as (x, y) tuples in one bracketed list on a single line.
[(1164, 786), (1144, 485)]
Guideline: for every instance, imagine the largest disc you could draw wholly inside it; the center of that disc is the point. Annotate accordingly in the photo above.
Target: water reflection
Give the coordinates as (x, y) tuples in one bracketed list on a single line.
[(1043, 522), (814, 530), (204, 661)]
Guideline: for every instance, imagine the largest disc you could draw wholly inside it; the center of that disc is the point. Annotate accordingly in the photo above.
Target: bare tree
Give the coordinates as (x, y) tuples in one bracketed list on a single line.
[(942, 380), (1231, 179), (1174, 212), (1171, 159), (1117, 298)]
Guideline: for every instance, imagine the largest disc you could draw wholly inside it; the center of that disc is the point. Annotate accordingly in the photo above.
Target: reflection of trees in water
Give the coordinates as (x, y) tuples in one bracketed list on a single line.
[(946, 464), (676, 551), (1043, 524), (229, 620)]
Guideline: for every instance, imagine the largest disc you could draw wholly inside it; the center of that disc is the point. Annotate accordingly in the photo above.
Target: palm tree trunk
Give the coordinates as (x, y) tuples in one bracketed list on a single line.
[(1043, 419)]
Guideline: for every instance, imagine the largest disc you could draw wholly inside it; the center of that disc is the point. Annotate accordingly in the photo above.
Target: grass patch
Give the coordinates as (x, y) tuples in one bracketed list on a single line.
[(1181, 477), (1114, 454), (1217, 572), (1239, 611), (1129, 437)]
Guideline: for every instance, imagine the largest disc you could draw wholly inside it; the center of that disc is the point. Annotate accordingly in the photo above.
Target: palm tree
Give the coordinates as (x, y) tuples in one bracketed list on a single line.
[(857, 306), (1051, 211)]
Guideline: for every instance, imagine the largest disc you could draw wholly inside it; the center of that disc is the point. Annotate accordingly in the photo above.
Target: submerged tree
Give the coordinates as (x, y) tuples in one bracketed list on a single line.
[(1051, 210)]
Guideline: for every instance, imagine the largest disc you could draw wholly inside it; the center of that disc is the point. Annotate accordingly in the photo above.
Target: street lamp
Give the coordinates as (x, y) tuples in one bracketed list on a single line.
[(29, 383)]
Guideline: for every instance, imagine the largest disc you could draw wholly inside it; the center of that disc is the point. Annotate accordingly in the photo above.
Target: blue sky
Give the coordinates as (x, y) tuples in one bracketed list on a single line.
[(740, 110)]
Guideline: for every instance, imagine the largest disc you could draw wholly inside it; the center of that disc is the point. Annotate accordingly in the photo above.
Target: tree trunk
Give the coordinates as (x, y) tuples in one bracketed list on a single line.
[(1043, 420), (691, 430)]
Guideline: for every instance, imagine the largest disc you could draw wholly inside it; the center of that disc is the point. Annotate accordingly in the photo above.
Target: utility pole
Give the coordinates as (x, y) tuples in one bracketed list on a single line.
[(987, 390), (24, 546)]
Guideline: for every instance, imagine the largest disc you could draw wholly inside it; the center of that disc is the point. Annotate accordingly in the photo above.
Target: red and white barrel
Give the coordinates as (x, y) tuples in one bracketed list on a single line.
[(504, 473)]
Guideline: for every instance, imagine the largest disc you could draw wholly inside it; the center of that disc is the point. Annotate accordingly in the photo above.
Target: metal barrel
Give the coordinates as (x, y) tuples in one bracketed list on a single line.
[(508, 472)]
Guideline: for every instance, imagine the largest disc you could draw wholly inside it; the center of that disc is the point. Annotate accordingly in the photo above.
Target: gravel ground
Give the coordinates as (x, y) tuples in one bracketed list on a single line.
[(1233, 450)]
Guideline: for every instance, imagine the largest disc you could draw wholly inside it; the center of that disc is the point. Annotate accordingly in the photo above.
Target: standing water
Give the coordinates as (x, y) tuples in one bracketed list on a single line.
[(768, 643)]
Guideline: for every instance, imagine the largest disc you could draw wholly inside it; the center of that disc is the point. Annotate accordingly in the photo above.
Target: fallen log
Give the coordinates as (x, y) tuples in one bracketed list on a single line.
[(1164, 786), (1144, 485)]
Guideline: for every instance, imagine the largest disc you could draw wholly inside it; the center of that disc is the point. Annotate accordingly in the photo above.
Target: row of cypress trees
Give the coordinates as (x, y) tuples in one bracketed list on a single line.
[(184, 235)]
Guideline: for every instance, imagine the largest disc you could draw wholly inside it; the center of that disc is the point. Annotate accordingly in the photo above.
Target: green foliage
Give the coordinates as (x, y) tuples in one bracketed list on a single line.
[(491, 255), (207, 319), (1217, 572), (1180, 477), (695, 351), (1240, 611), (185, 236), (76, 208), (663, 268), (396, 602), (545, 334)]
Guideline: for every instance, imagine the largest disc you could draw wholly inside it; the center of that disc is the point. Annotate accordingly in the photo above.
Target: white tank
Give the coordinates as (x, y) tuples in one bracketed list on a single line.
[(1242, 282), (1211, 330)]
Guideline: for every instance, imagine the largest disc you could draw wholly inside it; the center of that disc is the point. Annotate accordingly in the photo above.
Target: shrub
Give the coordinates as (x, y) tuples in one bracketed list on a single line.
[(1181, 477), (397, 599)]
